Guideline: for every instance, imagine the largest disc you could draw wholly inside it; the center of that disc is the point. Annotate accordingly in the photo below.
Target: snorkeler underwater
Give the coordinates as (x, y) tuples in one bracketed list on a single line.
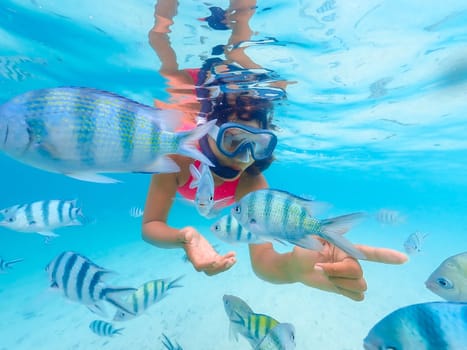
[(238, 174)]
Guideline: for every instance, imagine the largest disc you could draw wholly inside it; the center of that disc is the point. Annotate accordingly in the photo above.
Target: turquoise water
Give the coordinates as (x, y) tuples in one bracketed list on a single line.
[(375, 121)]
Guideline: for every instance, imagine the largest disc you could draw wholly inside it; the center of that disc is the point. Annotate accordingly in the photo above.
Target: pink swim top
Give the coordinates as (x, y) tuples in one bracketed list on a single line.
[(224, 191)]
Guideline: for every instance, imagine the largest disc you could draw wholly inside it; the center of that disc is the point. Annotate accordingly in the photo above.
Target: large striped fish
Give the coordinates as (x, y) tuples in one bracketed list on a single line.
[(145, 296), (426, 326), (281, 337), (5, 265), (281, 215), (42, 217), (82, 132), (255, 327), (80, 280), (104, 329)]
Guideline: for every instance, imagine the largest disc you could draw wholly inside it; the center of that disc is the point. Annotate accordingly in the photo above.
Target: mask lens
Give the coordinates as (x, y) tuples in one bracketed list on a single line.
[(235, 140)]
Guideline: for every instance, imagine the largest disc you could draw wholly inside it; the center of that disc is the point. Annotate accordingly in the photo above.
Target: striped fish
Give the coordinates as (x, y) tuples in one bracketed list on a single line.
[(237, 310), (280, 337), (281, 215), (426, 326), (80, 280), (42, 217), (145, 296), (256, 327), (5, 265), (169, 345), (104, 329), (229, 230), (389, 217), (82, 132)]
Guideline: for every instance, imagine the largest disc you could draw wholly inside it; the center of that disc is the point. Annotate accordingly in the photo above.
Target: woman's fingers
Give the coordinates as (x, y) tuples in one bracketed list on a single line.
[(382, 255), (346, 268)]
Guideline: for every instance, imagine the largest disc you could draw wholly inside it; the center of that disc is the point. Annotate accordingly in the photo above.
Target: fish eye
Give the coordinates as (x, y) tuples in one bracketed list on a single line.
[(211, 198), (11, 219), (444, 283), (237, 209), (217, 227)]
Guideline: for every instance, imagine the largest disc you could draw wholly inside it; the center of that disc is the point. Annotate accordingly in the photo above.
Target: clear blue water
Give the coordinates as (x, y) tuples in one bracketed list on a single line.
[(376, 120)]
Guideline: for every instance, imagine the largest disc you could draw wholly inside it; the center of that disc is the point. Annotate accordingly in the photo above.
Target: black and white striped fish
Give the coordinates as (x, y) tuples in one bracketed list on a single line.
[(81, 280), (104, 329), (6, 265), (146, 295), (229, 230), (42, 217), (84, 132)]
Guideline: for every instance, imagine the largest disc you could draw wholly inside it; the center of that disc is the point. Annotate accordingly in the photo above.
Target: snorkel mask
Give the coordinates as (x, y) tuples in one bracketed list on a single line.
[(242, 142)]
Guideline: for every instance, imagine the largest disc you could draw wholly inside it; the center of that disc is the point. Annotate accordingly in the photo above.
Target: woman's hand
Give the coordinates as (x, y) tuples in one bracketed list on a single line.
[(203, 256), (335, 271)]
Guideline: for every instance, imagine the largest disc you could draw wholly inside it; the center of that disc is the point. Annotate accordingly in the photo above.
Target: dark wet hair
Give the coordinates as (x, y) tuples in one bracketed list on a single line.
[(246, 107)]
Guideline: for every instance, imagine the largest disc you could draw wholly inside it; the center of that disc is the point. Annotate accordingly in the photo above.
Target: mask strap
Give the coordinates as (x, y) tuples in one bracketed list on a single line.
[(220, 170)]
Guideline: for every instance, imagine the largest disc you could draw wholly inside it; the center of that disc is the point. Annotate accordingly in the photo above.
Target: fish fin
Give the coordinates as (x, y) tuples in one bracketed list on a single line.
[(118, 331), (98, 309), (332, 230), (110, 295), (161, 165), (12, 262), (307, 242), (92, 177), (48, 233), (233, 332), (173, 284), (196, 176), (275, 240), (189, 141)]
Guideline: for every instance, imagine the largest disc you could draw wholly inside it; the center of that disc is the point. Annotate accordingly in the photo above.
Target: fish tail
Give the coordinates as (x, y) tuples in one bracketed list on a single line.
[(110, 295), (332, 230), (189, 140), (173, 284), (118, 331), (12, 262)]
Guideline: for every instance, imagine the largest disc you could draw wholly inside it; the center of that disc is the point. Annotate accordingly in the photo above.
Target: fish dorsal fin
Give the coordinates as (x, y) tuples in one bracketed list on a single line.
[(196, 176)]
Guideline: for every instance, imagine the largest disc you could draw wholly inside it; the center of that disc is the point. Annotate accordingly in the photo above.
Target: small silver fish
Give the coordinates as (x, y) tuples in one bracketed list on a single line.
[(82, 132), (413, 244), (5, 265), (136, 212), (42, 217), (426, 326), (389, 217), (281, 337), (104, 329), (281, 215), (230, 231), (204, 183), (449, 280)]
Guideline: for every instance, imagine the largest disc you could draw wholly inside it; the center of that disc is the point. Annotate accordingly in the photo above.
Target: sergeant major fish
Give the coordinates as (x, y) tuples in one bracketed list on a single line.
[(80, 280), (229, 230), (146, 295), (5, 265), (281, 337), (236, 309), (104, 329), (413, 243), (426, 326), (449, 280), (81, 132), (255, 327), (281, 215), (42, 217)]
